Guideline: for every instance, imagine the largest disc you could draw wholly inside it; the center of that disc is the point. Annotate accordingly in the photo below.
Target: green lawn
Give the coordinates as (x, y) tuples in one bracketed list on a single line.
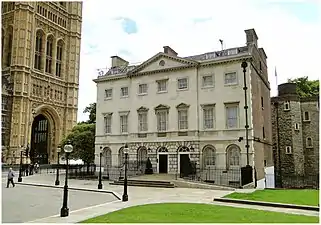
[(291, 196), (197, 213)]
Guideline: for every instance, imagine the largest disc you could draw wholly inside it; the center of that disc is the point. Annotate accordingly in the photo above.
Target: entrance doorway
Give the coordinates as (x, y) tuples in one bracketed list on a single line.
[(39, 140), (185, 165), (163, 163)]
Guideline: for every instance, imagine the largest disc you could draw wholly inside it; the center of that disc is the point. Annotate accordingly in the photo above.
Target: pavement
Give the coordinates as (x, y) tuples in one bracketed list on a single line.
[(85, 204)]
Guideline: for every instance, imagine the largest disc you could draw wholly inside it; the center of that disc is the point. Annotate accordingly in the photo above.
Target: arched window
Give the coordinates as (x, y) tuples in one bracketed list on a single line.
[(233, 155), (38, 50), (107, 158), (208, 156), (9, 46), (49, 54), (59, 58), (121, 157), (142, 155)]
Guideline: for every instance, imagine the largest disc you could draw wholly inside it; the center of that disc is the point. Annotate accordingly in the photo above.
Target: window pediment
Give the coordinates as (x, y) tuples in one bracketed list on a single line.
[(123, 113), (208, 105), (182, 106), (162, 107), (142, 109), (107, 114)]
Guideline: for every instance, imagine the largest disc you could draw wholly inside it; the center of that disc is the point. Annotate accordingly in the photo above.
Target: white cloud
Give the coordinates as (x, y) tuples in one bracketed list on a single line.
[(290, 44)]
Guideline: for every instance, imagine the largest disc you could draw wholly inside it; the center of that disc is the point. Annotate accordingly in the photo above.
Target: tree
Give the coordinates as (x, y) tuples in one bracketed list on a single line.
[(91, 109), (306, 87), (82, 137)]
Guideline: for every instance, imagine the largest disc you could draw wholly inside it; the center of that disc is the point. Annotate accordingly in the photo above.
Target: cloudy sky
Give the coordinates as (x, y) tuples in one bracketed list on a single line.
[(289, 32)]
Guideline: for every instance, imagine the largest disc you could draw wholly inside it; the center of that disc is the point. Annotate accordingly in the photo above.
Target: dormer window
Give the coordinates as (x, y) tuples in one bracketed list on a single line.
[(287, 106)]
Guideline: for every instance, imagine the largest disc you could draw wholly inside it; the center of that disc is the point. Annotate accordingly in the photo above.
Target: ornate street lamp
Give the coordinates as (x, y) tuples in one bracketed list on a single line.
[(100, 185), (68, 148), (20, 168), (125, 195), (57, 173)]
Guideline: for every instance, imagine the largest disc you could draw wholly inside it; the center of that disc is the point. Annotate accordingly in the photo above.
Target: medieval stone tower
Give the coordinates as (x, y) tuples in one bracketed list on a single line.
[(40, 76), (295, 123)]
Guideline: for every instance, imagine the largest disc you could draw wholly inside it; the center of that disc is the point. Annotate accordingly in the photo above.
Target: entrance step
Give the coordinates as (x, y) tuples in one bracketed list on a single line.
[(145, 183)]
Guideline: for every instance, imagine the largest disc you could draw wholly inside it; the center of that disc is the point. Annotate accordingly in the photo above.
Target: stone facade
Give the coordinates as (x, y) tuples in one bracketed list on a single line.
[(37, 79), (295, 123), (218, 146)]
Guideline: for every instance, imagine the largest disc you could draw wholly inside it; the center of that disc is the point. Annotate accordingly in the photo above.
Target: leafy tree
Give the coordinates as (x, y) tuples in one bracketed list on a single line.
[(306, 87), (91, 109), (82, 137)]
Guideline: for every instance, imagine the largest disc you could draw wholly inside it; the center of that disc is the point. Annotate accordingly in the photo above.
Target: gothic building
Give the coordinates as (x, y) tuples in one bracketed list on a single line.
[(40, 76), (295, 130), (175, 109)]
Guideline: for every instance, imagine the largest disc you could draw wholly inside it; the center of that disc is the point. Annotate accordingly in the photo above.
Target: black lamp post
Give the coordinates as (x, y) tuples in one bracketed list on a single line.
[(57, 182), (20, 168), (68, 148), (125, 195), (244, 65), (100, 185)]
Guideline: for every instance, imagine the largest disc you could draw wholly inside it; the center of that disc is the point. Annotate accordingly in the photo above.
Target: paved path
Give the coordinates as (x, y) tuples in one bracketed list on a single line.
[(139, 196), (26, 203)]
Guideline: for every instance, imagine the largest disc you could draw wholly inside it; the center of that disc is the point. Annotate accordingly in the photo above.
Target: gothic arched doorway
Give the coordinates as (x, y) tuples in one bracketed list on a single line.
[(40, 140)]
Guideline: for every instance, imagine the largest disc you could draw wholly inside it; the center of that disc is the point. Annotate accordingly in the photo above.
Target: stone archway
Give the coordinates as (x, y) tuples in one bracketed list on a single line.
[(49, 114)]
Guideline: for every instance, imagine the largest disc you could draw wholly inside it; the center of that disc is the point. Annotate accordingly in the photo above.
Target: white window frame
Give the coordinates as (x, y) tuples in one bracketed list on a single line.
[(204, 85), (288, 150), (182, 123), (286, 106), (207, 108), (296, 126), (309, 118), (142, 125), (307, 142), (164, 113), (124, 128), (140, 89), (232, 83), (227, 107), (108, 127), (182, 88), (159, 82), (106, 93), (122, 94)]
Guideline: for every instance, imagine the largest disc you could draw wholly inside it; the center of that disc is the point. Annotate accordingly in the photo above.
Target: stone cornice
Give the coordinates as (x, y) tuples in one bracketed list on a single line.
[(192, 64)]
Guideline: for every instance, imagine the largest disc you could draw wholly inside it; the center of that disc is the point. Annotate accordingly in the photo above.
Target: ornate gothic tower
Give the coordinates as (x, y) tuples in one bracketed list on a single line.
[(40, 76)]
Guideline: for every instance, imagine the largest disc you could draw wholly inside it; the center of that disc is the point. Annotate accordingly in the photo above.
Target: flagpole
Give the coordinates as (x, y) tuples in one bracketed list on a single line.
[(276, 82)]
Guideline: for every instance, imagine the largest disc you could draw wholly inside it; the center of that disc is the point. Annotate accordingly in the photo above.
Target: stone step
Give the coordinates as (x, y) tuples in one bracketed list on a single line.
[(144, 183)]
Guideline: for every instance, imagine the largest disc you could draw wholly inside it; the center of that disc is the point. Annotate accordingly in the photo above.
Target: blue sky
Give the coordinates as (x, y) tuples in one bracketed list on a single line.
[(289, 31)]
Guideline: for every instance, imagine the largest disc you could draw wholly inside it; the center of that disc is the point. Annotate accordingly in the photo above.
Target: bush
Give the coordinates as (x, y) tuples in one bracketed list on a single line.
[(149, 167)]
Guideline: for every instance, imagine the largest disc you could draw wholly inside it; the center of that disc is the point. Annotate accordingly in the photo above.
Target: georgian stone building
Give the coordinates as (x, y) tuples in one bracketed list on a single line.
[(295, 124), (40, 76), (172, 109)]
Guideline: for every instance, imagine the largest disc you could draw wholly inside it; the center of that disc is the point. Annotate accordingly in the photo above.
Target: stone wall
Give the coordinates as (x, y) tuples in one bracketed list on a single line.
[(293, 131), (310, 129)]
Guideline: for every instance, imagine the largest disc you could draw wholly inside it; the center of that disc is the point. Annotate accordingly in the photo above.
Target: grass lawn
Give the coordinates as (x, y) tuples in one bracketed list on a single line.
[(291, 196), (197, 213)]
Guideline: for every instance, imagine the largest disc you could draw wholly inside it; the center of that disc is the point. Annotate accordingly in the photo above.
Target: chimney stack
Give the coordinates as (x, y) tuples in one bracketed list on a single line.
[(251, 37), (169, 51), (116, 61)]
